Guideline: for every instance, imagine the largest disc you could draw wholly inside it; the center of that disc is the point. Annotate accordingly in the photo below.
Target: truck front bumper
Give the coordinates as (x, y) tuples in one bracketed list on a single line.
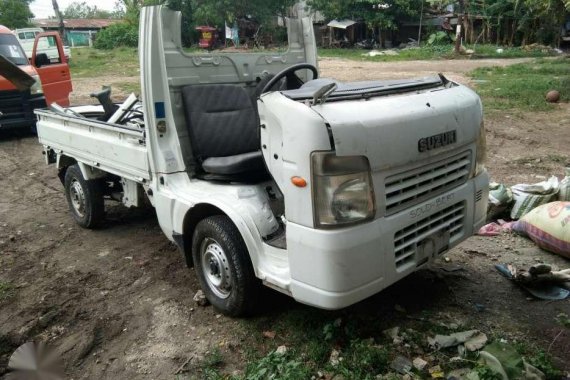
[(17, 109), (332, 269)]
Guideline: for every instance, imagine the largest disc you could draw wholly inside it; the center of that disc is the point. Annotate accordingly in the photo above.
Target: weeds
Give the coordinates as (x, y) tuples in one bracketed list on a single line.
[(486, 373), (543, 362), (563, 320), (213, 360), (278, 366), (364, 360), (539, 359), (6, 290)]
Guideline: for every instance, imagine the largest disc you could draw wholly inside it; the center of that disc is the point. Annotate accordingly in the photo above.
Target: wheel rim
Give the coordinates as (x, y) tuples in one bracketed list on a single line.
[(216, 268), (77, 197)]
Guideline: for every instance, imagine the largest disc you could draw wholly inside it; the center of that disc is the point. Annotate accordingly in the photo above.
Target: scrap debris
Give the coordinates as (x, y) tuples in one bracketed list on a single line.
[(520, 199), (500, 200), (472, 340), (200, 298), (540, 280), (496, 228), (540, 211)]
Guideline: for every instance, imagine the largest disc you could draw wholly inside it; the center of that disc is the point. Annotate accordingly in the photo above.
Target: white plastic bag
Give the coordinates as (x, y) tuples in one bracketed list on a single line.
[(528, 197)]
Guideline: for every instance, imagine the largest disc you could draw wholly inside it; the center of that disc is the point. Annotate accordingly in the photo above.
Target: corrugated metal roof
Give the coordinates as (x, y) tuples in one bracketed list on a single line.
[(75, 23), (341, 24)]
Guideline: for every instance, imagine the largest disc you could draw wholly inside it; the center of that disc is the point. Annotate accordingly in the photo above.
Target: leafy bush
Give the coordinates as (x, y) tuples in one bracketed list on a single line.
[(440, 38), (119, 34)]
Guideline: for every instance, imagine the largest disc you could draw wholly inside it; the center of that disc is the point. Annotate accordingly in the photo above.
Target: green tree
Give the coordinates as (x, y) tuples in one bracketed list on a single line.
[(185, 7), (513, 22), (384, 15), (83, 10), (15, 13), (217, 12)]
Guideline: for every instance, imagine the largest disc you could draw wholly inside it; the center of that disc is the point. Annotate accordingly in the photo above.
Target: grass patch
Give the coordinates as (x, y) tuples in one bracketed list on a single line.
[(523, 86), (129, 87), (123, 61), (89, 63), (6, 290), (435, 52), (286, 366), (361, 349), (424, 53), (312, 335)]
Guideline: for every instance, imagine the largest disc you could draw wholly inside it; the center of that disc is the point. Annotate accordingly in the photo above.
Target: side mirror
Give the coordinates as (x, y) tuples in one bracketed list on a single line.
[(42, 60)]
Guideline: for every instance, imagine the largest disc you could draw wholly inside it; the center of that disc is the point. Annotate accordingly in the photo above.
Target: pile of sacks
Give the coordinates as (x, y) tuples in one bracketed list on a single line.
[(542, 211)]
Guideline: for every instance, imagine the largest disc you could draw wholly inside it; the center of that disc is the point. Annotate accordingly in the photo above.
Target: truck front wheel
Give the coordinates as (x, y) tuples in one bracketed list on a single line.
[(223, 266), (85, 198)]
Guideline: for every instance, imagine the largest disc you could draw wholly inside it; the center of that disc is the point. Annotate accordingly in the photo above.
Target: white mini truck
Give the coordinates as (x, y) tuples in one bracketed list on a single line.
[(262, 173)]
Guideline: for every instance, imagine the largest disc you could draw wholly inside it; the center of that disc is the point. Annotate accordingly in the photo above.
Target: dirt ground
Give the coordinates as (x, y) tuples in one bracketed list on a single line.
[(116, 303), (341, 69)]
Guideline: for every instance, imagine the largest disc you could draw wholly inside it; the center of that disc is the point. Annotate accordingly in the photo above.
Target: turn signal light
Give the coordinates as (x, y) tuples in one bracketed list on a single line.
[(299, 181)]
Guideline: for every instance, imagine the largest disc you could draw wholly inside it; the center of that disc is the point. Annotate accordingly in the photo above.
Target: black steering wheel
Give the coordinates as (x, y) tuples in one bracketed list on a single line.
[(289, 73)]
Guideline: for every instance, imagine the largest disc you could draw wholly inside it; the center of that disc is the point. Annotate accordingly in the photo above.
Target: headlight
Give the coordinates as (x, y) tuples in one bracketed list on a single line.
[(343, 193), (36, 88), (481, 147)]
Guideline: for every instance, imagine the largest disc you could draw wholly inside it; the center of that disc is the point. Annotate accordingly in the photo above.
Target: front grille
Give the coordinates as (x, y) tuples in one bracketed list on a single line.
[(406, 189), (12, 106), (406, 241)]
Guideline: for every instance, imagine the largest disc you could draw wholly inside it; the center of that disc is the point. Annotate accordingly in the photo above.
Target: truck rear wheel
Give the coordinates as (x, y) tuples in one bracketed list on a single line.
[(85, 198), (223, 266)]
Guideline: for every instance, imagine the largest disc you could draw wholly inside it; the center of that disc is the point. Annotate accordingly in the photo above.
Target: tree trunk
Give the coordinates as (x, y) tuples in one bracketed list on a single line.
[(471, 30), (513, 32), (499, 31), (460, 26), (59, 16)]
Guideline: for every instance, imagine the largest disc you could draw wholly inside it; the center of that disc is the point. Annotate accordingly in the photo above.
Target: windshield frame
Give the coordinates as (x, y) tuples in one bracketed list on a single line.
[(12, 40)]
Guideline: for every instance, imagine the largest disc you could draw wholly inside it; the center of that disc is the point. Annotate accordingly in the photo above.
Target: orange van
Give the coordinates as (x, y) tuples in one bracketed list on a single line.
[(53, 80)]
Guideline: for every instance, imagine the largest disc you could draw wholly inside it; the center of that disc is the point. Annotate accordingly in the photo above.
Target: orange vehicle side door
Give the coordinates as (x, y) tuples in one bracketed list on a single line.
[(55, 75)]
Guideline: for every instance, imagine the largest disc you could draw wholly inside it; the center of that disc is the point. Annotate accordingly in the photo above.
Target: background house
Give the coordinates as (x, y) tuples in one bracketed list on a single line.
[(79, 32)]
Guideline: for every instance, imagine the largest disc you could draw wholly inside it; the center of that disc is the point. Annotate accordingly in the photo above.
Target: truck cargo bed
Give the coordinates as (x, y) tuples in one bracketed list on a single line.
[(113, 148)]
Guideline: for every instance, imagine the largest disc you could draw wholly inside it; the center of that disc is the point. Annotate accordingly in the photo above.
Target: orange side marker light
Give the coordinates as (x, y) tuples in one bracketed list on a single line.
[(299, 181)]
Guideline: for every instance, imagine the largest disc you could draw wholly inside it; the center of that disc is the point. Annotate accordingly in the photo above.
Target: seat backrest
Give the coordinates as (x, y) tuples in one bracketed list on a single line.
[(221, 120)]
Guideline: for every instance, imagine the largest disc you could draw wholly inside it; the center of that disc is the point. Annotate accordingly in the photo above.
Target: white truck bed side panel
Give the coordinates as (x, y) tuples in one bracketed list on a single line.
[(113, 149)]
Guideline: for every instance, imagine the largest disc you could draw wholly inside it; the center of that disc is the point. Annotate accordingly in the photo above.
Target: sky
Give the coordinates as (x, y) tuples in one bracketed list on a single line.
[(44, 9)]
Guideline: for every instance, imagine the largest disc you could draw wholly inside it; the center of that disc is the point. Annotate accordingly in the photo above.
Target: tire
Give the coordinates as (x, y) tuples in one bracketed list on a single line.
[(84, 198), (223, 267)]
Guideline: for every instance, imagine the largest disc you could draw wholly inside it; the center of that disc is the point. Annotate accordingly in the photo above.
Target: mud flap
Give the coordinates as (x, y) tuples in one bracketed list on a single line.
[(180, 243)]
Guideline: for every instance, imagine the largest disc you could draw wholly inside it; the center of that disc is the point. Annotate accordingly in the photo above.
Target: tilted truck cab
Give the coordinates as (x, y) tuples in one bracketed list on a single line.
[(52, 80), (262, 172)]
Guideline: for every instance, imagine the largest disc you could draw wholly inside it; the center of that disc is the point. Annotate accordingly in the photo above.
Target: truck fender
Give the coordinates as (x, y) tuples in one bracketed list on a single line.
[(192, 215), (62, 162), (89, 172)]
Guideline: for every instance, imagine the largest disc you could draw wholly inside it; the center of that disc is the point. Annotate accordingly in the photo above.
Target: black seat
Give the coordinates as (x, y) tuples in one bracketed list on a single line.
[(104, 98), (223, 128)]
